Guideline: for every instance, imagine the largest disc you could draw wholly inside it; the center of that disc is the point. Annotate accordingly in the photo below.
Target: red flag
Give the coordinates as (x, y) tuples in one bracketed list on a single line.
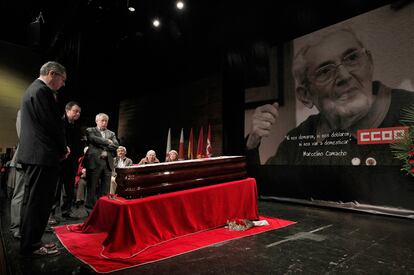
[(181, 146), (209, 150), (200, 145), (168, 143), (190, 152)]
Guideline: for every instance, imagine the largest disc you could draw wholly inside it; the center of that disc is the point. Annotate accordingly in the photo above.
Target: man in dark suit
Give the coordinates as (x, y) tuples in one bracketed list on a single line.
[(42, 146), (98, 160), (68, 167)]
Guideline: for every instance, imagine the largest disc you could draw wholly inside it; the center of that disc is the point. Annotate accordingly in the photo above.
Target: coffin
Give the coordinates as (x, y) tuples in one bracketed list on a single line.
[(150, 179)]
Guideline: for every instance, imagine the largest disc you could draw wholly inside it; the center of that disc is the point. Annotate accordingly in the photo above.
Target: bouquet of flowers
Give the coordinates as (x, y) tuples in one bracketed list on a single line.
[(404, 150), (113, 196), (239, 224)]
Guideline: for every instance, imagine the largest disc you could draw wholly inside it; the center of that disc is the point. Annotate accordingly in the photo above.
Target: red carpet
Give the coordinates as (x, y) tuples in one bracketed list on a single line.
[(88, 247)]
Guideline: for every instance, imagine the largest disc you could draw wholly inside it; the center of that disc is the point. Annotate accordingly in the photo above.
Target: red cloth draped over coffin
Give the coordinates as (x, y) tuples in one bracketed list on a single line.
[(133, 226), (157, 178)]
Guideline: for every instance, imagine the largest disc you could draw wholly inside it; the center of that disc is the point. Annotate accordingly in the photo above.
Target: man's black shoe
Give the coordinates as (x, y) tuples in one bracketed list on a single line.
[(52, 221), (65, 214), (49, 229), (69, 216)]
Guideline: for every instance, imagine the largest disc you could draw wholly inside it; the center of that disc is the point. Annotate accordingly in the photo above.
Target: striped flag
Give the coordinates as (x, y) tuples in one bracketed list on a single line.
[(200, 145), (181, 146), (168, 143), (209, 150), (190, 152)]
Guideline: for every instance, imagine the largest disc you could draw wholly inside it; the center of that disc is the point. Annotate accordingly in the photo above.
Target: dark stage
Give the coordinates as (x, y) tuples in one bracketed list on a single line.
[(323, 241)]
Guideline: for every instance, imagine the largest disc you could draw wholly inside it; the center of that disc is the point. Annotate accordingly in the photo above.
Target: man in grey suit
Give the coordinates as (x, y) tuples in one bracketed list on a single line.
[(42, 146), (98, 160)]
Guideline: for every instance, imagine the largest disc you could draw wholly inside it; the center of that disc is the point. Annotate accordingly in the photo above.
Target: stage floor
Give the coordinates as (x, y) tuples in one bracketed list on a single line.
[(324, 241)]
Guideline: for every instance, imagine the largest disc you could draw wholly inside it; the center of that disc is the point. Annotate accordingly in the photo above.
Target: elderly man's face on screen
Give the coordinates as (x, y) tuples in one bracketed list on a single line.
[(340, 77)]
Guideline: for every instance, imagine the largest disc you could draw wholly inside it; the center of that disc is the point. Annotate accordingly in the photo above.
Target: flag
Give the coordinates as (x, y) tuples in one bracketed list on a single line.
[(168, 143), (181, 146), (200, 145), (190, 153), (209, 150)]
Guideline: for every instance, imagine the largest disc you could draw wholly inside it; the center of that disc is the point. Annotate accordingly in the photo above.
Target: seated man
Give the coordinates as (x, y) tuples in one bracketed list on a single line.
[(151, 157), (120, 161)]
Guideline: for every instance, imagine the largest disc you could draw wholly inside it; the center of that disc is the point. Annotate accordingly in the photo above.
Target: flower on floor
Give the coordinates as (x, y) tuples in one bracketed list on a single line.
[(404, 150), (239, 224)]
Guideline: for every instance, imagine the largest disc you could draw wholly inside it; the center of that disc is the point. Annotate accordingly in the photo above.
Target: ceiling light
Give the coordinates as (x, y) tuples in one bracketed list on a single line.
[(156, 23), (130, 6), (180, 5)]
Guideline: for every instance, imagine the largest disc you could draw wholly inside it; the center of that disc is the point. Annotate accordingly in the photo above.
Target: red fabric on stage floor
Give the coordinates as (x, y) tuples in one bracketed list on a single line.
[(88, 247), (133, 226), (123, 233)]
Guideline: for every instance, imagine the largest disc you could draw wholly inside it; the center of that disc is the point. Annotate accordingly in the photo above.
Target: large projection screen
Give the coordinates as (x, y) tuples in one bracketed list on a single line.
[(330, 144)]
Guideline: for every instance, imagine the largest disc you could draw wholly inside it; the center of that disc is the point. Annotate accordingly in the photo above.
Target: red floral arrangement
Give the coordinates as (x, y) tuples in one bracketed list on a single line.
[(113, 196), (239, 224), (404, 150)]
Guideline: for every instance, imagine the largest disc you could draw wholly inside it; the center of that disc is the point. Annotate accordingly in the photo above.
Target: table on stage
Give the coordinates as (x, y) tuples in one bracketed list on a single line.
[(135, 225)]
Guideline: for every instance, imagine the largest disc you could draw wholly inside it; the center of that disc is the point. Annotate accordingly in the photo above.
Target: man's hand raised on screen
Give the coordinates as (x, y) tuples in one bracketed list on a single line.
[(262, 121)]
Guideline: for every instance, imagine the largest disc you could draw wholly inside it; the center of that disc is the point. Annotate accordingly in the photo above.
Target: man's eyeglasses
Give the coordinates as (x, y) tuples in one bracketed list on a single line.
[(352, 61)]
